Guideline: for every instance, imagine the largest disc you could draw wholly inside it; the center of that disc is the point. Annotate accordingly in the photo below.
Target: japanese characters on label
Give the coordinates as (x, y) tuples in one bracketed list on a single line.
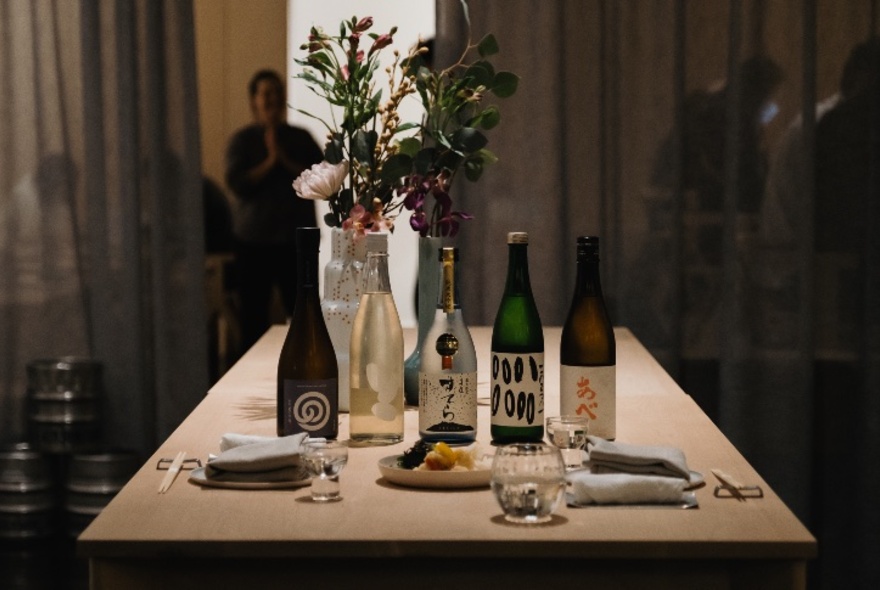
[(448, 402), (590, 392)]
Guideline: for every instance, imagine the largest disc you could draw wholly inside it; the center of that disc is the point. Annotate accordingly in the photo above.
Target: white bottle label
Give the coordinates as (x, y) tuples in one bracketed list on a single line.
[(590, 392), (448, 403), (517, 389)]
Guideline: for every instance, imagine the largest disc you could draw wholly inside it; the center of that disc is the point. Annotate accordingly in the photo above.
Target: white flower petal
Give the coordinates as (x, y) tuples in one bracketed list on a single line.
[(321, 181)]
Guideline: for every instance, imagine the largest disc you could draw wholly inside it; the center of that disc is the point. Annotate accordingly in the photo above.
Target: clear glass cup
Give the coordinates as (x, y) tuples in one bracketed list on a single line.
[(569, 435), (528, 480), (325, 459)]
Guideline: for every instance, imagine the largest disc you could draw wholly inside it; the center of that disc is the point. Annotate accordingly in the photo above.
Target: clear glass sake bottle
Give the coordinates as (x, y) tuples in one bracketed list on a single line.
[(308, 378), (448, 367), (517, 377), (588, 356), (376, 369)]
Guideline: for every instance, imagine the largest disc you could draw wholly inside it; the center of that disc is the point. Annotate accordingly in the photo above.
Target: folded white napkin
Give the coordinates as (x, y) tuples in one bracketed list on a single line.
[(258, 459), (230, 440), (607, 456), (624, 488)]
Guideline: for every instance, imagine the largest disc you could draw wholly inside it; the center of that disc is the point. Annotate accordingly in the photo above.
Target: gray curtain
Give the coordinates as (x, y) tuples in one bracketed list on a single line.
[(100, 208), (737, 208)]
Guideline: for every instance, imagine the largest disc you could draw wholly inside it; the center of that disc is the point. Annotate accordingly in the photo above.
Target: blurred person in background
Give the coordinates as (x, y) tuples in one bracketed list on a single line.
[(262, 161)]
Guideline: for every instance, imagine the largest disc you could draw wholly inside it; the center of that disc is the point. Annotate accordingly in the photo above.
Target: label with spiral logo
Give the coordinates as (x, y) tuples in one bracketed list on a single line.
[(311, 406)]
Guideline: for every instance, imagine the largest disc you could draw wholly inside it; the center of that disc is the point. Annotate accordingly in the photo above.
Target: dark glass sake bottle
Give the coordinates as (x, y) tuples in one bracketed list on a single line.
[(587, 378), (448, 366), (308, 386), (517, 378)]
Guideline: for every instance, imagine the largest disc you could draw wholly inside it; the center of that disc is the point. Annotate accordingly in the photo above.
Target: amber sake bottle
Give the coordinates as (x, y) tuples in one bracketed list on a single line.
[(587, 378)]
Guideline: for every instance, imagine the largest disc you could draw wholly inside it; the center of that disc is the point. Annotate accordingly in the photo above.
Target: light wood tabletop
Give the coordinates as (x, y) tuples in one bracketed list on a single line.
[(144, 539)]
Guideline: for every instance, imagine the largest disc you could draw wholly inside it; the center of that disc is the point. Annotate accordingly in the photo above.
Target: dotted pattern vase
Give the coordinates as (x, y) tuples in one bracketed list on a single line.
[(343, 284)]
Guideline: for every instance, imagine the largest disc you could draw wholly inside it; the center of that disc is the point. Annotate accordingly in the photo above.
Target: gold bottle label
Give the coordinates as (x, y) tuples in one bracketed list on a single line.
[(448, 283)]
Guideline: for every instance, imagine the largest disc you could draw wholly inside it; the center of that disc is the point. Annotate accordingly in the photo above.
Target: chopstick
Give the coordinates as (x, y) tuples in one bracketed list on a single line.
[(730, 483), (172, 472)]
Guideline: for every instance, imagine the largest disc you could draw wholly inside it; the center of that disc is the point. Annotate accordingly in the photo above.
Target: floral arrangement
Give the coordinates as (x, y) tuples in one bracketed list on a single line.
[(369, 174), (355, 176), (450, 137)]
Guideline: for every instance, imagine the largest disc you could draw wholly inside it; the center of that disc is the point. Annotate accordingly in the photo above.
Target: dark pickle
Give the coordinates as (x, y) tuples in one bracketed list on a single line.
[(415, 456)]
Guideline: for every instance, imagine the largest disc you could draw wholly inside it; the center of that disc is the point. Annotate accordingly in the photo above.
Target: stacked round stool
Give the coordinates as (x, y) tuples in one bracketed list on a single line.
[(92, 481), (28, 518), (64, 404)]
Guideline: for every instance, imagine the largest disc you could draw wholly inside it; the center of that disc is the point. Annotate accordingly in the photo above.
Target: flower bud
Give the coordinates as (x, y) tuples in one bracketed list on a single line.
[(381, 42), (364, 24)]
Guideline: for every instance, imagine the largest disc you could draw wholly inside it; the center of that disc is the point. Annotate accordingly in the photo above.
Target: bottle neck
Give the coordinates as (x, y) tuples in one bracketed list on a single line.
[(588, 284), (517, 270), (448, 301), (307, 274), (377, 280)]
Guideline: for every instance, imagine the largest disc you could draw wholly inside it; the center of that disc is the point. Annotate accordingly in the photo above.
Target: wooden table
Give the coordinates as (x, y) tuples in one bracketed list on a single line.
[(197, 537)]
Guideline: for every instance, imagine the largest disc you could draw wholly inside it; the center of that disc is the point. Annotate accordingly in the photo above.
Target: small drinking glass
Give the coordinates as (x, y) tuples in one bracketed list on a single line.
[(528, 480), (569, 434), (325, 459)]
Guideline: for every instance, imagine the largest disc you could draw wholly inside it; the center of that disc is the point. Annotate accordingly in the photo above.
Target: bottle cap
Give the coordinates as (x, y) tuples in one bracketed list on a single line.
[(377, 242), (518, 237), (588, 241), (588, 248), (308, 238)]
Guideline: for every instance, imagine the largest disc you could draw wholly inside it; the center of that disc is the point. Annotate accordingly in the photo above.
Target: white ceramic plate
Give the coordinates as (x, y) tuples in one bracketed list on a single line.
[(412, 478), (197, 476)]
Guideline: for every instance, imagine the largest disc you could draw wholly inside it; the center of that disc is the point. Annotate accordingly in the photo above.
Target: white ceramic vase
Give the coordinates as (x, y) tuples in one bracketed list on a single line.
[(343, 284)]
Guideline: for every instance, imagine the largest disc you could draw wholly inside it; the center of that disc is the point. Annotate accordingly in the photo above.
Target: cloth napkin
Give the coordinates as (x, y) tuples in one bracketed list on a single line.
[(230, 440), (250, 459), (615, 457), (624, 488)]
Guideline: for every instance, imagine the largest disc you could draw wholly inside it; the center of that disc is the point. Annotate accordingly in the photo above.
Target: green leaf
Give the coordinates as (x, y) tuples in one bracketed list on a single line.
[(308, 114), (396, 167), (449, 160), (480, 73), (333, 151), (363, 144), (487, 157), (473, 169), (330, 219), (411, 67), (488, 46), (487, 119), (405, 127), (468, 139), (443, 140), (424, 160), (504, 84), (409, 146), (311, 79), (320, 58)]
